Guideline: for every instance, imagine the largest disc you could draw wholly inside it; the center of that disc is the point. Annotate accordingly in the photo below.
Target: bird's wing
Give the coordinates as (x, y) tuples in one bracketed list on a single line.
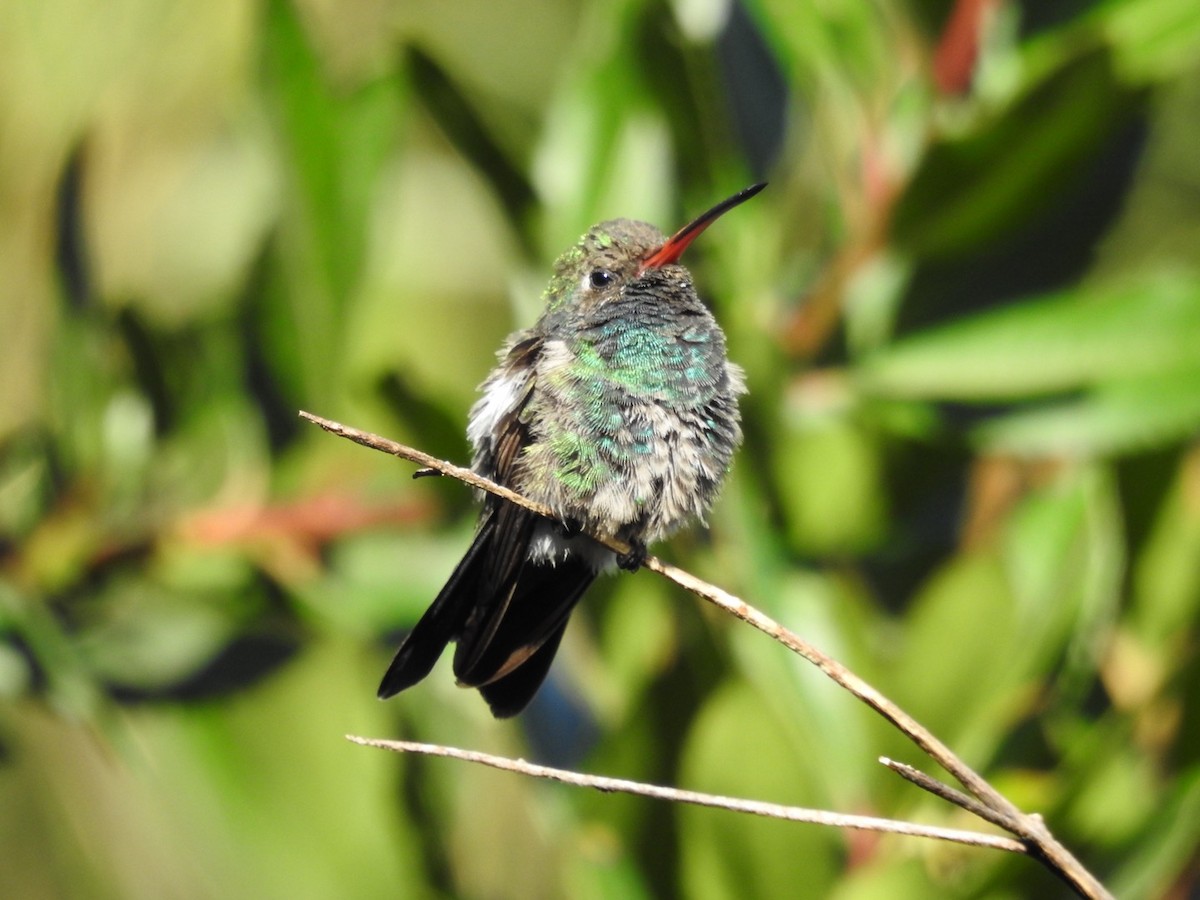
[(521, 605), (495, 555), (506, 613)]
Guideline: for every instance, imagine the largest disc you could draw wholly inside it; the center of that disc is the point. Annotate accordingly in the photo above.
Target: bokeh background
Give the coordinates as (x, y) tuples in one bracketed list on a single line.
[(969, 309)]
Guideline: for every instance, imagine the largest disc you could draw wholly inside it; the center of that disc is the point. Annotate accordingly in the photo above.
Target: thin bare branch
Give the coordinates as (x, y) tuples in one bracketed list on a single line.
[(1030, 829), (947, 793), (696, 798)]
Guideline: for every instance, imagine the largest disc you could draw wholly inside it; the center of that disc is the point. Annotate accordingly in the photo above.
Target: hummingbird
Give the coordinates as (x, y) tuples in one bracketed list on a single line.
[(617, 410)]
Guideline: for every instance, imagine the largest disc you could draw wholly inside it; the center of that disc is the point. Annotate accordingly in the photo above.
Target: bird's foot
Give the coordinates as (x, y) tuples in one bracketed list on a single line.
[(570, 528), (635, 558)]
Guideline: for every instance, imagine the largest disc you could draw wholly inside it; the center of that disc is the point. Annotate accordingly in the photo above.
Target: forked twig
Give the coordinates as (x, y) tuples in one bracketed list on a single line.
[(1030, 830), (944, 791)]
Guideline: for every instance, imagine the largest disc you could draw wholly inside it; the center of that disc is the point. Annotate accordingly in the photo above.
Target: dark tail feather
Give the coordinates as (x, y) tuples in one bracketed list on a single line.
[(510, 636), (442, 622), (511, 693), (506, 613)]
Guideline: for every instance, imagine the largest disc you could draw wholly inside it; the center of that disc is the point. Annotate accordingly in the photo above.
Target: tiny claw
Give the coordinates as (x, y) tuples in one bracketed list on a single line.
[(426, 473), (634, 559), (570, 527)]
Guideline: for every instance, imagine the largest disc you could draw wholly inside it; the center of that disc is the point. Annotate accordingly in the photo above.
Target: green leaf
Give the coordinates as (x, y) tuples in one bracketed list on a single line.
[(464, 127), (1123, 417), (1165, 845), (637, 642), (333, 150), (981, 188), (604, 149), (1056, 343), (955, 674), (737, 748), (1065, 559), (837, 43), (901, 876), (1166, 577), (830, 478), (1153, 38), (828, 732)]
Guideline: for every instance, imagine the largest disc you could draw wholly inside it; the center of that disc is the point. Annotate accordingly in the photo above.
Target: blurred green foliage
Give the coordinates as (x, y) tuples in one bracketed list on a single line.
[(969, 309)]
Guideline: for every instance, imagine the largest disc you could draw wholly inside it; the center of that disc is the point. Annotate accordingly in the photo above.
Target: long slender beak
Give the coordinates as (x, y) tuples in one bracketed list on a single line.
[(674, 246)]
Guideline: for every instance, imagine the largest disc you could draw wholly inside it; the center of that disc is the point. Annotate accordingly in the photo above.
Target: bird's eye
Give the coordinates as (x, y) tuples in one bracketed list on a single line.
[(600, 278)]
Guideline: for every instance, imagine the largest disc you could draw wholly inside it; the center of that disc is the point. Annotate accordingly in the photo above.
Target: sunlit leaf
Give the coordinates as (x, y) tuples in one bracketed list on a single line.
[(983, 186), (1050, 344), (1121, 417)]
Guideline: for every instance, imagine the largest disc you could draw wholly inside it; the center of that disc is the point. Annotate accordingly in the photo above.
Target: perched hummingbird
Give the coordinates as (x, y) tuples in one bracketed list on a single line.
[(618, 410)]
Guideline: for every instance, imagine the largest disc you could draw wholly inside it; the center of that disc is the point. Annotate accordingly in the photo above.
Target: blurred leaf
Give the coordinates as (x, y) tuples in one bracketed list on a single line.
[(1153, 38), (1120, 417), (890, 878), (825, 727), (982, 187), (841, 42), (1166, 577), (955, 674), (637, 642), (1014, 615), (149, 646), (604, 149), (59, 552), (463, 126), (16, 678), (1120, 798), (333, 148), (385, 580), (737, 748), (1159, 220), (1165, 845), (58, 665), (25, 483), (1065, 558), (1050, 344), (830, 483), (598, 872)]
